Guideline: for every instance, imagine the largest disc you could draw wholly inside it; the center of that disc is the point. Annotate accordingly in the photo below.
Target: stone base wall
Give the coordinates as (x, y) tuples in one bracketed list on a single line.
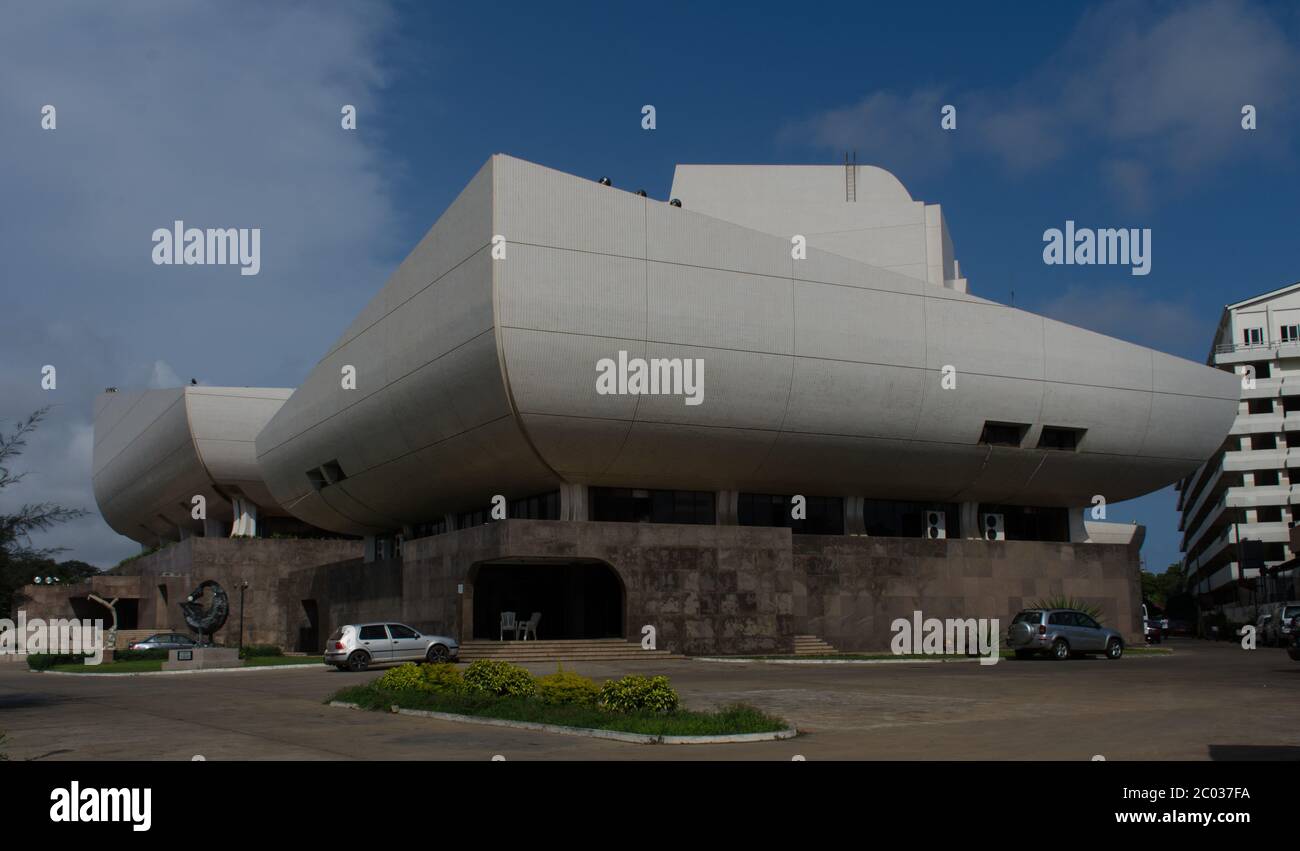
[(161, 581), (705, 589)]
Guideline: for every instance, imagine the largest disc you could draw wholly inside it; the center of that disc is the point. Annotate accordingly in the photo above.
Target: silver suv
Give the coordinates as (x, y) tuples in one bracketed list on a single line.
[(1061, 633), (355, 647)]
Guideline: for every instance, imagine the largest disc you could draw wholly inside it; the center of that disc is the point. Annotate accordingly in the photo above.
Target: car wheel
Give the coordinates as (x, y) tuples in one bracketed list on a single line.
[(1114, 648), (1024, 654), (359, 661), (1060, 650), (437, 654)]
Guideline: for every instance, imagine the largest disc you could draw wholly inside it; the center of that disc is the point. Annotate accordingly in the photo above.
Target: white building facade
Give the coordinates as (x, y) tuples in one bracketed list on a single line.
[(1236, 510)]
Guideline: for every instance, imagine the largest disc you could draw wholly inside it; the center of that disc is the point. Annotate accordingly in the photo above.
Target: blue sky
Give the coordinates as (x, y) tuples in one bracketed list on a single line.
[(1113, 115)]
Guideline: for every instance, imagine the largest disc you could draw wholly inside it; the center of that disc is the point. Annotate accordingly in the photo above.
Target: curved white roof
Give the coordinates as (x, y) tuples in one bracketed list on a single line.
[(156, 449), (476, 376)]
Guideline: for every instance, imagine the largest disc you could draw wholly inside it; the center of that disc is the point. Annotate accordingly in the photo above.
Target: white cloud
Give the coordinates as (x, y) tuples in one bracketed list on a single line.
[(163, 376), (1150, 90), (222, 115)]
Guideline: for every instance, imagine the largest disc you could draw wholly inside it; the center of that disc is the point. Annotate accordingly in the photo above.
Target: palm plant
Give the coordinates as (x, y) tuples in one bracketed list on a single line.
[(1063, 602)]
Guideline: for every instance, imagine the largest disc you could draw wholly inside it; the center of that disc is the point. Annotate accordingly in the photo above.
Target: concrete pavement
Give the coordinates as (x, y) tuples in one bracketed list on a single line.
[(1208, 699)]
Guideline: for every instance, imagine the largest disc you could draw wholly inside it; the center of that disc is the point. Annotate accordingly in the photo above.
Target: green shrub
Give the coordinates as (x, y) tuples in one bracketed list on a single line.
[(1061, 602), (251, 651), (402, 678), (567, 688), (442, 677), (492, 676), (45, 661), (637, 693)]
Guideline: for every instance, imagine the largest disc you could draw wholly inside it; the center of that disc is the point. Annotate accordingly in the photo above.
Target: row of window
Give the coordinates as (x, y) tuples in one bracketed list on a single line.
[(1013, 434), (1255, 336), (819, 515)]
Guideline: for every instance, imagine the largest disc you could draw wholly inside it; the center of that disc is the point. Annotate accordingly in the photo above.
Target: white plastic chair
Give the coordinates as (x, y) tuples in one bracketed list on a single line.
[(530, 625), (508, 625)]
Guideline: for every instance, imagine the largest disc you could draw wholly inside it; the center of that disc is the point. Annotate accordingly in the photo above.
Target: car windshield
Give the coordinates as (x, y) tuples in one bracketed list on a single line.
[(1028, 617), (336, 634), (1291, 611)]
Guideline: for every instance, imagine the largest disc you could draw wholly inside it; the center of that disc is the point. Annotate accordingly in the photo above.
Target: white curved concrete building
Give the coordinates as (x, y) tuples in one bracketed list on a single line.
[(156, 450), (815, 338), (476, 376)]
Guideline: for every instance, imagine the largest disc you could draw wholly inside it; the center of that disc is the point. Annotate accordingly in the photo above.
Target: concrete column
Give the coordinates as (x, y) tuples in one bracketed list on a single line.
[(211, 528), (245, 522), (971, 527), (854, 522), (370, 547), (573, 501), (450, 521), (1078, 526), (727, 512)]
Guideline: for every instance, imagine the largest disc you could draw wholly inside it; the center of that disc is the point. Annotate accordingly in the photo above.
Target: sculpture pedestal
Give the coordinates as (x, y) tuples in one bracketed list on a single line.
[(202, 657)]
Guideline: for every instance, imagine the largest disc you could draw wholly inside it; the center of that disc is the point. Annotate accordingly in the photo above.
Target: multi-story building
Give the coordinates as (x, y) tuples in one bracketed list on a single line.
[(767, 408), (1237, 508)]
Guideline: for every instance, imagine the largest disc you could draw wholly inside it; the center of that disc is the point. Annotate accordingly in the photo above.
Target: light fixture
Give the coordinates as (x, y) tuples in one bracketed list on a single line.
[(605, 181)]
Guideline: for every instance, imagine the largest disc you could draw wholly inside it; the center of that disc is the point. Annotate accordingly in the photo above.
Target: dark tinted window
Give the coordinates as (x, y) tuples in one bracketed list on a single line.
[(372, 633), (399, 631), (1060, 619), (1028, 617), (1083, 620), (824, 514), (544, 506), (1003, 434), (640, 505), (1260, 406), (1031, 523), (899, 519), (1053, 437)]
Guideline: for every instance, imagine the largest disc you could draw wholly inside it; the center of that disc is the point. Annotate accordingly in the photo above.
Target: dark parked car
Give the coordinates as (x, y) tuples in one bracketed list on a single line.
[(1293, 649), (1152, 631), (166, 641)]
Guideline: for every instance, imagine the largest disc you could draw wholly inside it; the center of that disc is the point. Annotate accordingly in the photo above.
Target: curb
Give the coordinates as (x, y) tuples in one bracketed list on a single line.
[(177, 673), (635, 738), (832, 661)]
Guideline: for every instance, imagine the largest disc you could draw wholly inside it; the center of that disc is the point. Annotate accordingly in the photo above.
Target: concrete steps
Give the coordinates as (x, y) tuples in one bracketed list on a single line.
[(811, 645), (578, 650)]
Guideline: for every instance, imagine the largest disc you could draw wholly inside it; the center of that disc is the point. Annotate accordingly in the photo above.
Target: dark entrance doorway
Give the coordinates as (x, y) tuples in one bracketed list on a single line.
[(309, 632), (575, 599)]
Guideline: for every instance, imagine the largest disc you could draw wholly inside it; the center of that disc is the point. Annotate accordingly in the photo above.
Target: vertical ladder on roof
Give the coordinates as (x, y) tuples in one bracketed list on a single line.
[(850, 177)]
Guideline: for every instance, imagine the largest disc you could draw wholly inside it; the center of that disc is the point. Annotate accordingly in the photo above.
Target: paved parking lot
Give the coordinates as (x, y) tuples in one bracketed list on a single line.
[(1208, 700)]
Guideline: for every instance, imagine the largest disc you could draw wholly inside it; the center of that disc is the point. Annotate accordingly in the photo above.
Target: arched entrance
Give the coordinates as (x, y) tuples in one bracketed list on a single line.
[(576, 598)]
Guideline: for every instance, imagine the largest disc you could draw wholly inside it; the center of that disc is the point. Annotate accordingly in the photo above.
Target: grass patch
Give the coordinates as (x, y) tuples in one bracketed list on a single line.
[(143, 666), (1005, 653), (726, 721)]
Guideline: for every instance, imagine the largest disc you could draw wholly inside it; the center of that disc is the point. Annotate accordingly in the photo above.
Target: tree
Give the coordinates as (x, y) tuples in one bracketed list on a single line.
[(1159, 587), (19, 559)]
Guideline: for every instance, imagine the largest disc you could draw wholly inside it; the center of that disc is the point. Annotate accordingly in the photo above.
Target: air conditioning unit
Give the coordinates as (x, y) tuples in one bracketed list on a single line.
[(935, 523), (995, 527)]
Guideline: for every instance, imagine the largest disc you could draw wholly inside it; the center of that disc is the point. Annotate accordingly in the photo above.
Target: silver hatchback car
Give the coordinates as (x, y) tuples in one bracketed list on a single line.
[(355, 647), (1061, 633)]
